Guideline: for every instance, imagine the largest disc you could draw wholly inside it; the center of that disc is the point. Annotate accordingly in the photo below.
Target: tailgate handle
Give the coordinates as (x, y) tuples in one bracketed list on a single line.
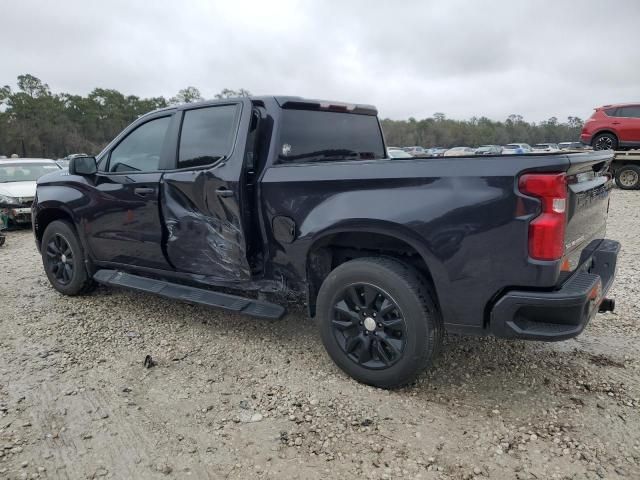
[(224, 192), (143, 191)]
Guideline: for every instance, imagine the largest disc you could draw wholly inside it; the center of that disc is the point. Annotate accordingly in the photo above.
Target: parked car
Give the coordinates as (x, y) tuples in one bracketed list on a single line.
[(488, 150), (459, 152), (546, 147), (436, 151), (416, 151), (297, 197), (574, 146), (396, 153), (613, 127), (516, 148), (18, 187)]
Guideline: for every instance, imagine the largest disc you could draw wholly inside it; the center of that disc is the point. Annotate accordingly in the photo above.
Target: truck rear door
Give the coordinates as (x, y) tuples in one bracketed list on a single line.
[(202, 195)]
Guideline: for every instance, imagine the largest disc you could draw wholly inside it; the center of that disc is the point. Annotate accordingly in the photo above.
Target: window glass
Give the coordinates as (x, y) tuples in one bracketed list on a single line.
[(207, 135), (631, 111), (320, 136), (140, 150), (25, 172)]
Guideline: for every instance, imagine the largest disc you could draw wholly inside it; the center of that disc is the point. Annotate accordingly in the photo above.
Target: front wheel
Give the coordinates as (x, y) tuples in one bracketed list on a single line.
[(378, 321), (63, 259), (605, 141), (628, 177)]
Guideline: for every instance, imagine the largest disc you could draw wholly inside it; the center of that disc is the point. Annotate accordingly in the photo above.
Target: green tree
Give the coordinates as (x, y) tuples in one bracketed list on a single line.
[(187, 95)]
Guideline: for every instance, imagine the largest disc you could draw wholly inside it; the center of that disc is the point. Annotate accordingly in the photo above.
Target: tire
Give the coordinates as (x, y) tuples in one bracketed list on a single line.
[(605, 141), (628, 177), (64, 260), (2, 239), (381, 351)]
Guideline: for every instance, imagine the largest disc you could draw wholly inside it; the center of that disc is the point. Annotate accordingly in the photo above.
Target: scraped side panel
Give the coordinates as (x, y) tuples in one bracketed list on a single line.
[(203, 231)]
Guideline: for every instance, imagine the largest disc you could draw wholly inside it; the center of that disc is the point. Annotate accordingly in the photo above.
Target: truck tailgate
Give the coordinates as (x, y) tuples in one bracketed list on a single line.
[(589, 185)]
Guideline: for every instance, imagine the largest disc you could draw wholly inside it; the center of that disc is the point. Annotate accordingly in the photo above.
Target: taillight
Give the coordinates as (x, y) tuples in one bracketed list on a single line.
[(546, 231)]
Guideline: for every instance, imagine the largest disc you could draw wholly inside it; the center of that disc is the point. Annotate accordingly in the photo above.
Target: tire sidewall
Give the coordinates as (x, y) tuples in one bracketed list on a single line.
[(419, 328), (79, 278), (621, 170)]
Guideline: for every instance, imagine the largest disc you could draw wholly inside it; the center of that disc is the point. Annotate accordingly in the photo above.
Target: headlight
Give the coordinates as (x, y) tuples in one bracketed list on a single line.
[(7, 200)]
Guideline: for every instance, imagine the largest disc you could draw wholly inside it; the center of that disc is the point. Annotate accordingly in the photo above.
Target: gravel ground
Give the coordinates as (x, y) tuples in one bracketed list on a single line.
[(235, 397)]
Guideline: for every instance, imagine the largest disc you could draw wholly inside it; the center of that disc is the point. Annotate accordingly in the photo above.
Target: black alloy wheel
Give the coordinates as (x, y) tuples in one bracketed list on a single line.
[(64, 260), (60, 260), (369, 326), (378, 320)]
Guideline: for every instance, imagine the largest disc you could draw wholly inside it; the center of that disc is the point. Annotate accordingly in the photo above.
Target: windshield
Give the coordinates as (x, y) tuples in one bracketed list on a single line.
[(320, 136), (25, 172)]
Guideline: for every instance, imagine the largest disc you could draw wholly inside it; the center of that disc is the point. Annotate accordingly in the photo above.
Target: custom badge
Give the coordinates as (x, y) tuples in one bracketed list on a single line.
[(286, 149)]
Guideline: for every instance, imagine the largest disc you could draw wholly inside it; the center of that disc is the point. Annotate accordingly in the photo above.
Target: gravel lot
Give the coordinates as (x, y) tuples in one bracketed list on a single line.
[(235, 397)]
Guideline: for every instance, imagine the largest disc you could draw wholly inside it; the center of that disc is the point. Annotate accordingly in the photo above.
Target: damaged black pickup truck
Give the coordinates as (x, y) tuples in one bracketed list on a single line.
[(224, 203)]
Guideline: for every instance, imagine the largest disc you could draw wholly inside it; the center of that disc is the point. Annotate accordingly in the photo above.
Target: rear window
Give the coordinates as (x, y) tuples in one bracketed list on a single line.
[(318, 136), (207, 135)]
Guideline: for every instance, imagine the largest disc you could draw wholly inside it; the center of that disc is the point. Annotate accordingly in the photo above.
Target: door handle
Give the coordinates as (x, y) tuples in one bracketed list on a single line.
[(615, 123), (143, 191), (224, 192)]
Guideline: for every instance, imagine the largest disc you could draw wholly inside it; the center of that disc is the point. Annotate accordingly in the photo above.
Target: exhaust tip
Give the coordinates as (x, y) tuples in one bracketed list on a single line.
[(607, 305)]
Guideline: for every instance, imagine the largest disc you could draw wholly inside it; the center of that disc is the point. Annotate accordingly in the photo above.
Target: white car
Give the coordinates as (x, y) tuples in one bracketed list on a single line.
[(397, 153), (516, 148), (459, 152), (18, 186), (546, 147)]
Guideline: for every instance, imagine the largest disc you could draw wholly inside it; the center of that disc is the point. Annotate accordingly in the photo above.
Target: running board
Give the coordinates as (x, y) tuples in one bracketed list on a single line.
[(200, 296)]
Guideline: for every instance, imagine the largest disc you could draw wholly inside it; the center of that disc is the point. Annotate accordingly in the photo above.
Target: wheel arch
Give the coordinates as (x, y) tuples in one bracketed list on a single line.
[(338, 245), (603, 131), (44, 217)]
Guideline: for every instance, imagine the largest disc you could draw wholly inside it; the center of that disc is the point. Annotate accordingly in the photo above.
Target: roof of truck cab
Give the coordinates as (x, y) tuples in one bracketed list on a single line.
[(283, 101)]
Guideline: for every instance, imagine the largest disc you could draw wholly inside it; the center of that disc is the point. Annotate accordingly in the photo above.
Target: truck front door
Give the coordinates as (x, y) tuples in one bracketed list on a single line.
[(201, 196), (122, 224)]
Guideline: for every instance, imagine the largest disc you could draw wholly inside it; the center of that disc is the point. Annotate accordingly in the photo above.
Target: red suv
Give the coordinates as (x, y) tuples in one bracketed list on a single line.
[(613, 127)]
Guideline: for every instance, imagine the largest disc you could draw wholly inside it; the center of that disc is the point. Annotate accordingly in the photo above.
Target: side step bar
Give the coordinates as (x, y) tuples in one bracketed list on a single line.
[(200, 296)]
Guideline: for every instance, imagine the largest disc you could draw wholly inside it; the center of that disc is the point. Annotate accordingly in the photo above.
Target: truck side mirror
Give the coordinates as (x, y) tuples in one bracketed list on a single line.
[(83, 166)]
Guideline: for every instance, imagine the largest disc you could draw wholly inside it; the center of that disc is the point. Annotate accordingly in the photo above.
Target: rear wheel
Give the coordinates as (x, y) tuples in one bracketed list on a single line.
[(628, 177), (63, 259), (378, 321), (605, 141)]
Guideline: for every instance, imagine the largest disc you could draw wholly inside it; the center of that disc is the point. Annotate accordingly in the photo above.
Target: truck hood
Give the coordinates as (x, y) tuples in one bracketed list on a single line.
[(18, 189)]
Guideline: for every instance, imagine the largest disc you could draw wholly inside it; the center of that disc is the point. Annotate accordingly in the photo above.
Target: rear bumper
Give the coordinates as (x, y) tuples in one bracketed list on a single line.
[(559, 314)]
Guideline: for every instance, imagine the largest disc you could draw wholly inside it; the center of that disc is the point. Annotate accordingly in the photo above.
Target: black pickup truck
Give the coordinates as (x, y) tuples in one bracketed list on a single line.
[(230, 203)]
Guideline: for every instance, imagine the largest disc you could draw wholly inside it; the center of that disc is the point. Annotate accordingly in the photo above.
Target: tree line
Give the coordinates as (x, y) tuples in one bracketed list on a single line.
[(35, 122), (439, 131)]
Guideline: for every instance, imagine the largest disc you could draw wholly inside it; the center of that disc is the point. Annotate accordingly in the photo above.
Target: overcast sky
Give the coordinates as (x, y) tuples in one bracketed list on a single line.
[(409, 58)]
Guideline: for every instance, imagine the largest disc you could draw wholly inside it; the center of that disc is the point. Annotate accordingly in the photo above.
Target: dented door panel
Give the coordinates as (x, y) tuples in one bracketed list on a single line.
[(203, 227)]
